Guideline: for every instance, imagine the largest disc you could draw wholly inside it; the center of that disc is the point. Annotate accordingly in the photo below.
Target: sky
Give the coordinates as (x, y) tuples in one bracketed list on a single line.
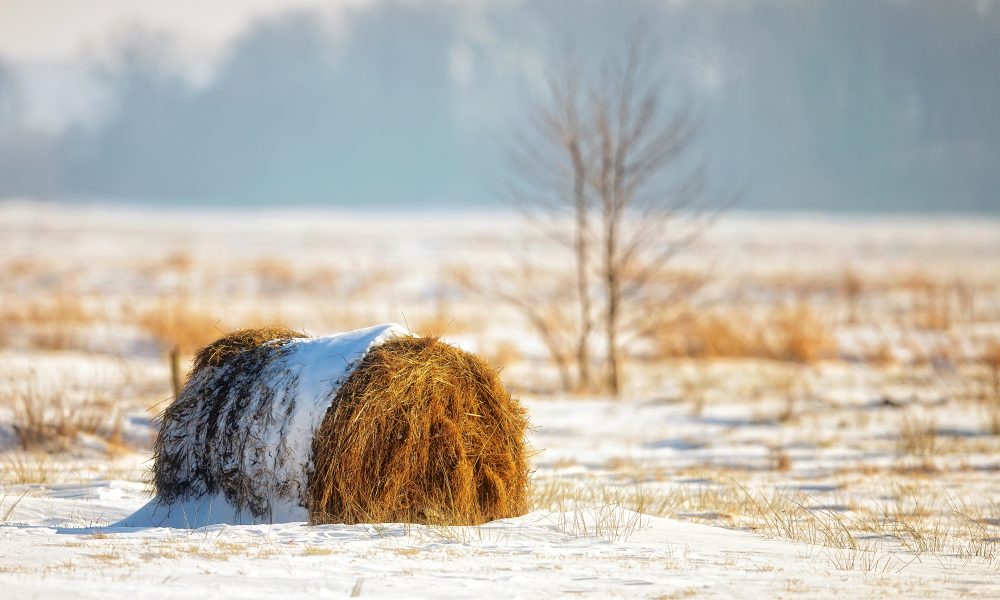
[(56, 39), (56, 30), (877, 105)]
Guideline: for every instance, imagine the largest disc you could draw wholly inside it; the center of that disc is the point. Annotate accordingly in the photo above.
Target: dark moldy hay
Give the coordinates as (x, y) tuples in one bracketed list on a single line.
[(183, 467), (241, 340)]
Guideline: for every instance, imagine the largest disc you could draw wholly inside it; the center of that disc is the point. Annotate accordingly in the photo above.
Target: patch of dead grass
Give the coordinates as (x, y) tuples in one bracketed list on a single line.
[(178, 323), (793, 334)]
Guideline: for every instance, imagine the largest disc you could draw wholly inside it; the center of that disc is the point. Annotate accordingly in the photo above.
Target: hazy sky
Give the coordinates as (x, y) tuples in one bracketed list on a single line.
[(856, 104), (52, 38), (56, 30)]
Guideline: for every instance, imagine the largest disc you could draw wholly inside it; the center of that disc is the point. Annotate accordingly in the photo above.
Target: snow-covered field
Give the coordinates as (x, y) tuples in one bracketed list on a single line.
[(871, 469)]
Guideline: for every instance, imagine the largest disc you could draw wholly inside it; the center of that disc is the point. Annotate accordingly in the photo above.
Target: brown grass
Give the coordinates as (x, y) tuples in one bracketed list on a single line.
[(274, 275), (918, 437), (238, 341), (853, 287), (503, 354), (179, 324), (991, 359), (45, 421), (935, 304), (63, 307), (179, 261), (440, 323), (782, 462), (793, 334), (420, 432), (51, 323)]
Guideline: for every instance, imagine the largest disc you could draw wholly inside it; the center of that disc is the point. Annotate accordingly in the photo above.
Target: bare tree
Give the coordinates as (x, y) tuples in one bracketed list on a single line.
[(603, 166), (651, 198), (550, 183)]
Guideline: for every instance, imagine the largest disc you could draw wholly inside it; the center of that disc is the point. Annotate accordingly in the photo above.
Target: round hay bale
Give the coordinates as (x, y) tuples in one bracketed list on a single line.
[(420, 432), (374, 425)]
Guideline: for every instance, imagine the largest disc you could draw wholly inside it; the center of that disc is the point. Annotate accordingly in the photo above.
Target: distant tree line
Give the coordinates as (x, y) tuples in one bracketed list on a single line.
[(833, 104)]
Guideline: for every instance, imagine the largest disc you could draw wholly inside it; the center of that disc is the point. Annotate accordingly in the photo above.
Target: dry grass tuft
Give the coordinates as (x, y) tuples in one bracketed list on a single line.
[(932, 302), (441, 322), (793, 334), (918, 437), (799, 336), (782, 462), (56, 322), (26, 468), (48, 421), (991, 359), (241, 340), (178, 324), (420, 432), (274, 275)]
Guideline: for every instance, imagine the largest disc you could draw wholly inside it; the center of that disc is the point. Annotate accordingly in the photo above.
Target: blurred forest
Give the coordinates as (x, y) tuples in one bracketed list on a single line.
[(831, 104)]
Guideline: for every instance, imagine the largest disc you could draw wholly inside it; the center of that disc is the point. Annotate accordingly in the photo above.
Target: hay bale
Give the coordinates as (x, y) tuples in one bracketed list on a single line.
[(374, 425), (420, 432)]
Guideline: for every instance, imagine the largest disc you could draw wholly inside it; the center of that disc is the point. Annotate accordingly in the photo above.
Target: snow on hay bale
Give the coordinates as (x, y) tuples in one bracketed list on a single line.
[(374, 425)]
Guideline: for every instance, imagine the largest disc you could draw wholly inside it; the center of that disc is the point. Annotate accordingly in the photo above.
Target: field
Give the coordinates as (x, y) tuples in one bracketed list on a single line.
[(820, 414)]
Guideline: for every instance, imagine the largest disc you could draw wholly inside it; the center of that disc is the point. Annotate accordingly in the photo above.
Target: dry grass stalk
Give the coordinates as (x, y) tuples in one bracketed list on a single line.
[(420, 432), (933, 302), (911, 523), (441, 321), (45, 421), (918, 437)]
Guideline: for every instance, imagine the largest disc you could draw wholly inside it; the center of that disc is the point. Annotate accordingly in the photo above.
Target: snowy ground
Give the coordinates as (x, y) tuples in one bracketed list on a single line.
[(873, 472), (56, 541), (533, 556)]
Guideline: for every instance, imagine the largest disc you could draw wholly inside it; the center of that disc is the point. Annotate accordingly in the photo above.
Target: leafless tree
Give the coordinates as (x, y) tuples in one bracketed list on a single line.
[(550, 183), (651, 197), (605, 167)]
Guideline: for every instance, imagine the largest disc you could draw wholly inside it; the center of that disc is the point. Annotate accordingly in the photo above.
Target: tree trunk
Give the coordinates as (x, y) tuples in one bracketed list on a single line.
[(613, 291), (583, 291)]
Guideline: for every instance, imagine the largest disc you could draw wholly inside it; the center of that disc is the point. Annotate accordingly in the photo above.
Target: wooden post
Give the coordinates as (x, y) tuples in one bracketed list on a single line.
[(175, 370)]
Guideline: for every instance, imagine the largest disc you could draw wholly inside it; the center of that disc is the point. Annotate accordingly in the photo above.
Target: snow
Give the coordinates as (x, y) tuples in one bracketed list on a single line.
[(210, 509), (304, 378), (687, 432), (55, 546)]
